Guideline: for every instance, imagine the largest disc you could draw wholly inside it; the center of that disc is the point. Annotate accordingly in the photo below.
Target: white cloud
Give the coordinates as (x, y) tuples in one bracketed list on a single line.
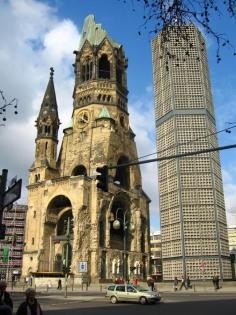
[(230, 193), (143, 124), (33, 41)]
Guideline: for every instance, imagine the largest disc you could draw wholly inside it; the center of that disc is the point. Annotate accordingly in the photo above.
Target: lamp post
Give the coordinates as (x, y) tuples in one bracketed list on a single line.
[(116, 226), (67, 255)]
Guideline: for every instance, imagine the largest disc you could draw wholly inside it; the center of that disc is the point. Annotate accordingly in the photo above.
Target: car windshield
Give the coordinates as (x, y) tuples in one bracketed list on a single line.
[(141, 289)]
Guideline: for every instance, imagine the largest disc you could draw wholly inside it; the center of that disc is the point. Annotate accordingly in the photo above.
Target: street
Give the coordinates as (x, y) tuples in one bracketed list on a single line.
[(173, 303)]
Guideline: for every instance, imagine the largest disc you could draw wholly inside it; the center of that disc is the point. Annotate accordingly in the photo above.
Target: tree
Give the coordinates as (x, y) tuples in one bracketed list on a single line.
[(5, 104), (166, 15)]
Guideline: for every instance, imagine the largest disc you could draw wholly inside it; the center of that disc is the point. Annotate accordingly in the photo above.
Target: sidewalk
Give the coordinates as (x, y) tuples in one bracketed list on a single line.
[(100, 289)]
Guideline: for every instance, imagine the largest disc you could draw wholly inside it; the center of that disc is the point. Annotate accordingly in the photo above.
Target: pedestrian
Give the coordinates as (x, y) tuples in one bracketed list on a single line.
[(188, 283), (183, 283), (176, 281), (59, 286), (214, 280), (30, 306), (5, 298), (150, 283), (217, 280), (135, 281), (30, 280), (5, 309)]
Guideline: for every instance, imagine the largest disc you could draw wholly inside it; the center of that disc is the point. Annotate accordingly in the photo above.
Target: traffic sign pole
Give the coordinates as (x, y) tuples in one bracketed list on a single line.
[(3, 184)]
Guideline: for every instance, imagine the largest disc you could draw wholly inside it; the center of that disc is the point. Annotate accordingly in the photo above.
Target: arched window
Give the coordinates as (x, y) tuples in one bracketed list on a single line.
[(87, 71), (122, 173), (137, 270), (79, 170), (104, 68)]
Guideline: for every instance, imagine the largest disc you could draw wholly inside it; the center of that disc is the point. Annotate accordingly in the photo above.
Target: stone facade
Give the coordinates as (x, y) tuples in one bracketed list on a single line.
[(64, 188)]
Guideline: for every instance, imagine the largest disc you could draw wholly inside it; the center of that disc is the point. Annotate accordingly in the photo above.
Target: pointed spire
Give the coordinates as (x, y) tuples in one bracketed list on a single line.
[(49, 104), (48, 113)]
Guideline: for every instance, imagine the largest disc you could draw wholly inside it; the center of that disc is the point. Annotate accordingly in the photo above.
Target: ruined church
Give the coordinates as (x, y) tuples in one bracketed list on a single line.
[(70, 221)]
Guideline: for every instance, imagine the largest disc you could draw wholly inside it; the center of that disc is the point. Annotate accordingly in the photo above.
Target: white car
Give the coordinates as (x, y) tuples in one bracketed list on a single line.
[(126, 292)]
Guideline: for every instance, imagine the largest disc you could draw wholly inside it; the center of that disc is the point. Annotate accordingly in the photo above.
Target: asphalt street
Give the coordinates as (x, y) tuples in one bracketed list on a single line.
[(172, 303)]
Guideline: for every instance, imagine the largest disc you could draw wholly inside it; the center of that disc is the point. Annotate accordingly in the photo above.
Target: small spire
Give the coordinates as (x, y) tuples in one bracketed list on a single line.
[(51, 72)]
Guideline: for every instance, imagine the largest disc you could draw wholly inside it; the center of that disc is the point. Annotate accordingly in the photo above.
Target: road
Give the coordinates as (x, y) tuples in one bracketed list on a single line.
[(173, 303)]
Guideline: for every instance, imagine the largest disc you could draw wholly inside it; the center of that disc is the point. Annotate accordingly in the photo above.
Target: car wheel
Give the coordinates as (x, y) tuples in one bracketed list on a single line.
[(143, 300), (113, 300)]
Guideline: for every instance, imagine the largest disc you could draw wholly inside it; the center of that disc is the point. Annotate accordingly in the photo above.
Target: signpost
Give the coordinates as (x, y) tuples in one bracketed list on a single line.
[(7, 197), (12, 194), (83, 266)]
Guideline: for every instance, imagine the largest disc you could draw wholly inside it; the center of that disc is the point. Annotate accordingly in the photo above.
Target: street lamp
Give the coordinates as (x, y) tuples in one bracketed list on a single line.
[(116, 226), (67, 267)]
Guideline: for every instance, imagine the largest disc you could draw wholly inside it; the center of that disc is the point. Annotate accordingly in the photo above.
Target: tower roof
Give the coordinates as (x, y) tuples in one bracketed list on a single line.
[(94, 33), (104, 113), (49, 103)]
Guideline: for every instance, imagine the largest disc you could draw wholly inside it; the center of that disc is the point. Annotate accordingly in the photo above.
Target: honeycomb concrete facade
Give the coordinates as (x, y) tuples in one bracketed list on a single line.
[(192, 209), (63, 189)]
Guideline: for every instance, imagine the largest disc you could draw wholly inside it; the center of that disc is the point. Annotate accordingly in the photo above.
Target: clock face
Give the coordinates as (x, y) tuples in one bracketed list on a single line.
[(82, 119)]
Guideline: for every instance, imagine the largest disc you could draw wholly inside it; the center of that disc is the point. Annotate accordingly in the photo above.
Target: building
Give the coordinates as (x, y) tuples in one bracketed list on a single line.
[(232, 238), (232, 248), (62, 193), (155, 261), (11, 249), (192, 208)]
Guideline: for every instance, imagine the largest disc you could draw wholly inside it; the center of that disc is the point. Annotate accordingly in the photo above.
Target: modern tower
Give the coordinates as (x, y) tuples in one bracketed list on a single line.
[(192, 209), (72, 223)]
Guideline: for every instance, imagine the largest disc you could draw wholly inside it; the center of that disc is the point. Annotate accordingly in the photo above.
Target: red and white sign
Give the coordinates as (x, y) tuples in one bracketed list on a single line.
[(203, 265)]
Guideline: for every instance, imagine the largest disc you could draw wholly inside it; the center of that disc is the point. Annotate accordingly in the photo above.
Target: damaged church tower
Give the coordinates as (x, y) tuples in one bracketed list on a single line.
[(69, 219)]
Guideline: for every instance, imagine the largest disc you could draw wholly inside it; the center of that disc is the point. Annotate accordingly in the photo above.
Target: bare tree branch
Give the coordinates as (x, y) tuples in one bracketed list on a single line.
[(163, 15), (5, 104)]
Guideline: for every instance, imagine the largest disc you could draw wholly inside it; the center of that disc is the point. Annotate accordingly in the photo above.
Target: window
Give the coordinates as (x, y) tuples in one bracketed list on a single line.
[(79, 170), (120, 288), (111, 288), (131, 289), (87, 71), (104, 68)]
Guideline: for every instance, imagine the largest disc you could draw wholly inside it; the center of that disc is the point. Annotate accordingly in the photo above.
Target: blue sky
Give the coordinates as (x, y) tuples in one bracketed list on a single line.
[(38, 34)]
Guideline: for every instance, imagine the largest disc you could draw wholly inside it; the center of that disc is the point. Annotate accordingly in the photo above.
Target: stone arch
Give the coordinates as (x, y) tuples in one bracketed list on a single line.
[(123, 173), (79, 170), (63, 217), (58, 213)]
